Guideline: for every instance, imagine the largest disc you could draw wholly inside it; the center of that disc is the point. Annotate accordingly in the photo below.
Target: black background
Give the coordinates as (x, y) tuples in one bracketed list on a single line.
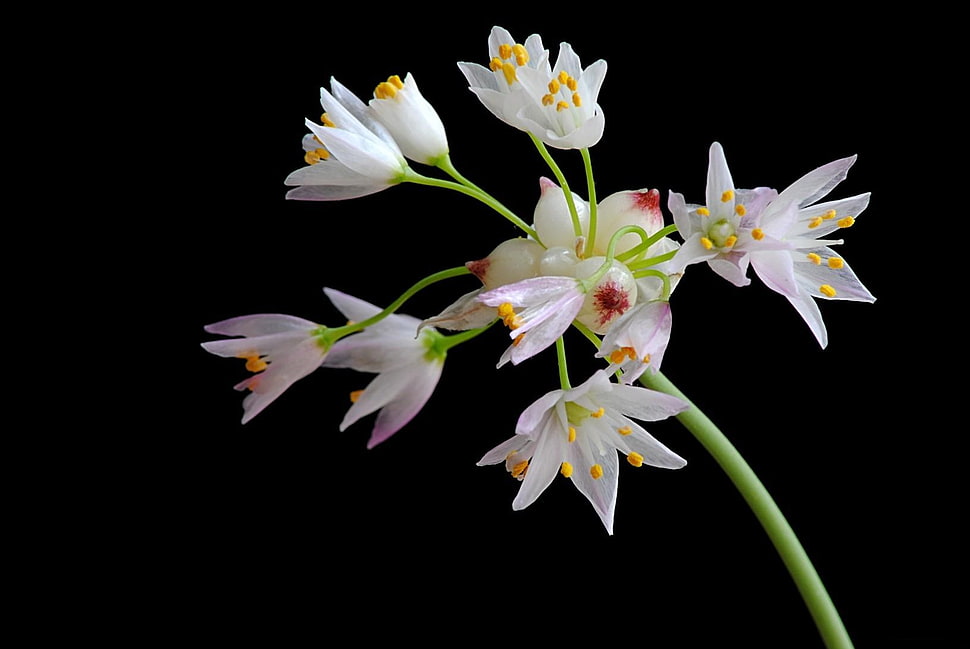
[(287, 528)]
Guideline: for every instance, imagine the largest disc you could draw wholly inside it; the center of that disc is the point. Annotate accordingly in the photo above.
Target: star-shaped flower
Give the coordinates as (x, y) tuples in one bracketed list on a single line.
[(578, 433)]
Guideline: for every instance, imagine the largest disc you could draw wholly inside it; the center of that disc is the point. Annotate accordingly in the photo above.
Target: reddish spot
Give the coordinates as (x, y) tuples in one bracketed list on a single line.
[(647, 200), (479, 268), (611, 301)]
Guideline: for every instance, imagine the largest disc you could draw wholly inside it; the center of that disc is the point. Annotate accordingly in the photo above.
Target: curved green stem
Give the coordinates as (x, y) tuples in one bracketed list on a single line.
[(473, 191), (769, 515), (591, 196), (450, 341), (646, 243), (664, 278), (563, 371), (561, 178)]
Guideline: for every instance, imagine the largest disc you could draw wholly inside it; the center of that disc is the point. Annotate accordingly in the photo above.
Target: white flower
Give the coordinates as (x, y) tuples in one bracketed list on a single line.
[(278, 349), (723, 233), (411, 119), (638, 339), (558, 105), (578, 433), (407, 366), (810, 263), (351, 154)]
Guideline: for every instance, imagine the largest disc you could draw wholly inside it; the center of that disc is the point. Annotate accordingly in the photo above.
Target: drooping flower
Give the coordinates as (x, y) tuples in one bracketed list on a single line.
[(558, 105), (578, 434), (407, 366), (278, 349), (537, 311), (638, 339), (351, 154), (411, 119), (723, 232), (819, 272)]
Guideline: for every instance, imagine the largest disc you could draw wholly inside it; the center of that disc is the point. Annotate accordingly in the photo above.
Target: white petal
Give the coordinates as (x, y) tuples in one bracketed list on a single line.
[(817, 183), (718, 181), (545, 463), (421, 383)]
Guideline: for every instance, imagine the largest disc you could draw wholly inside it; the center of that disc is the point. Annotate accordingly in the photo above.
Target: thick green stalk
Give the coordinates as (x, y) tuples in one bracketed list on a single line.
[(769, 515), (591, 195)]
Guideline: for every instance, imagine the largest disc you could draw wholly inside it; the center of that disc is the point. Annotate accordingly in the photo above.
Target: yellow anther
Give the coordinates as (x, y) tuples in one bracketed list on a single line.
[(509, 71), (836, 263), (505, 51), (707, 243), (505, 309), (577, 100), (596, 471), (815, 259), (757, 234), (521, 54), (635, 458), (495, 64), (645, 359), (814, 223), (564, 77), (829, 215), (518, 339), (326, 121), (572, 434), (553, 87), (599, 413), (626, 430), (355, 395), (561, 106), (548, 100), (703, 211), (254, 363), (826, 290), (845, 222), (727, 195), (730, 241), (740, 210), (566, 469), (315, 156), (518, 470), (571, 84), (385, 90), (617, 356)]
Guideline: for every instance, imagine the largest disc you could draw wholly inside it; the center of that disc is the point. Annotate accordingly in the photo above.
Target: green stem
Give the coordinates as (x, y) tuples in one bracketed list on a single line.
[(470, 190), (561, 356), (664, 278), (561, 178), (645, 245), (591, 195), (769, 515), (444, 163), (456, 339)]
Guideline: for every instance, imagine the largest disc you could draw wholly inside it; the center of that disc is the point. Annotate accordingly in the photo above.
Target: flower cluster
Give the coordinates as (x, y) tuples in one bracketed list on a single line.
[(605, 267)]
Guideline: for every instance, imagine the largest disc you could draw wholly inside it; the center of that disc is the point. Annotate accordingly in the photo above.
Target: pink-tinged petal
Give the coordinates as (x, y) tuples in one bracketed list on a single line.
[(641, 403), (808, 225), (601, 492), (680, 211), (357, 310), (640, 441), (465, 313), (529, 292), (531, 418), (812, 315), (831, 271), (268, 345), (261, 324), (755, 201), (541, 335), (691, 252), (733, 267), (367, 353), (718, 181), (410, 400), (545, 463), (817, 183), (502, 451), (774, 267), (283, 371), (640, 208)]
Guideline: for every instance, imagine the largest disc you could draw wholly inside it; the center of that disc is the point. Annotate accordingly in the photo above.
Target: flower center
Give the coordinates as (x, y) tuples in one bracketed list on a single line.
[(577, 414), (509, 58), (722, 234)]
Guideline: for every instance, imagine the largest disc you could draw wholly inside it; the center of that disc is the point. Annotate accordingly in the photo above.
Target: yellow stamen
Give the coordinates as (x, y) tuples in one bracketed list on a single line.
[(596, 471), (385, 90), (626, 430), (826, 290), (758, 234), (505, 51), (521, 54), (509, 71), (553, 87), (505, 309), (814, 223), (730, 241), (326, 121), (727, 195), (829, 215), (619, 355), (518, 470), (635, 459), (740, 209), (845, 222), (572, 434), (254, 363), (566, 469), (707, 243), (315, 156), (577, 100), (835, 263), (518, 339), (815, 259), (548, 100), (561, 106), (564, 77), (572, 84), (495, 64), (355, 395), (703, 211), (599, 413), (645, 359)]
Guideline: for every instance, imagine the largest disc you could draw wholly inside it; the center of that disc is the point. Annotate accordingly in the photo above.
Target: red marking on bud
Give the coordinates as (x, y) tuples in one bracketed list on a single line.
[(611, 301), (479, 268), (647, 200)]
